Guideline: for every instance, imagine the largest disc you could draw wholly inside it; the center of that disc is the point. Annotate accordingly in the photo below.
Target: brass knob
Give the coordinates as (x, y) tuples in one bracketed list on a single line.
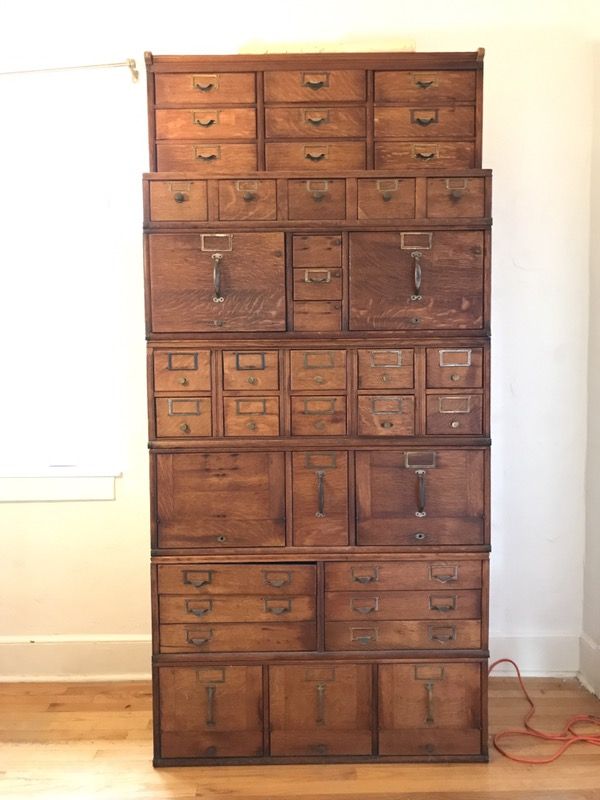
[(249, 196), (387, 424), (319, 379), (456, 194), (385, 378), (251, 426), (318, 196), (179, 197), (184, 427), (455, 377), (386, 197), (454, 424), (183, 381), (252, 380)]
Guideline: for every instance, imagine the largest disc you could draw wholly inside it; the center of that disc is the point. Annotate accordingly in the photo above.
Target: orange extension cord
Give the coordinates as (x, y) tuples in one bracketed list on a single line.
[(567, 736)]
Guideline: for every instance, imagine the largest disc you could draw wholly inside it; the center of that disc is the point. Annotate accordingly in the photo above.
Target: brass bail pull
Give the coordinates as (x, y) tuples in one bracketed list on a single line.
[(320, 718), (416, 256), (216, 259), (429, 719), (421, 496), (320, 513), (210, 705)]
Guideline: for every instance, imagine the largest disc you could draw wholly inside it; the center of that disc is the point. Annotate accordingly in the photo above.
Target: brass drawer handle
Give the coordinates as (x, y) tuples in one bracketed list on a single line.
[(278, 610), (320, 512), (418, 276), (442, 635), (372, 578), (205, 123), (283, 579), (204, 87), (184, 427), (317, 276), (216, 259), (445, 603), (210, 705), (197, 582), (199, 612), (314, 84), (362, 609), (179, 197), (317, 120), (424, 156), (200, 642), (421, 495), (424, 121), (424, 84), (210, 157), (313, 157)]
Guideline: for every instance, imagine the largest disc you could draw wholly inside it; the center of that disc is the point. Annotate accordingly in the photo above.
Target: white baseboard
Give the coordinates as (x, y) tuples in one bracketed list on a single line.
[(589, 670), (553, 656)]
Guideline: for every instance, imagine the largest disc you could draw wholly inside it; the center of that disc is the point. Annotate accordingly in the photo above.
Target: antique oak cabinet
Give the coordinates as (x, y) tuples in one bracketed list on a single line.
[(317, 255)]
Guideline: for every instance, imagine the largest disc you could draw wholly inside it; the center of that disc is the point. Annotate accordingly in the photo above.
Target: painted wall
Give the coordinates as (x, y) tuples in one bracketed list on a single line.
[(74, 575)]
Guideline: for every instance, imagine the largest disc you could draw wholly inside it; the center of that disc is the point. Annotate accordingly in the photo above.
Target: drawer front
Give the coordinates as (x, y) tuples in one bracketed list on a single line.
[(251, 416), (321, 315), (321, 283), (403, 635), (386, 415), (433, 575), (316, 251), (244, 370), (299, 123), (178, 201), (210, 711), (205, 88), (237, 608), (247, 200), (315, 156), (205, 123), (456, 414), (220, 499), (183, 416), (214, 580), (206, 159), (238, 638), (429, 155), (386, 369), (319, 416), (454, 367), (289, 86), (430, 709), (386, 198), (364, 607), (404, 86), (395, 122), (182, 370), (318, 369), (455, 197), (317, 199), (320, 499)]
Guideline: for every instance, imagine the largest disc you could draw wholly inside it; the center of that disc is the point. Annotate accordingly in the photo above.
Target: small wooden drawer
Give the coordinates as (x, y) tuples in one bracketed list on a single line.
[(438, 604), (238, 638), (183, 416), (318, 416), (179, 370), (455, 197), (322, 315), (438, 122), (205, 88), (386, 198), (456, 414), (250, 369), (403, 635), (298, 123), (237, 608), (386, 369), (228, 579), (386, 415), (318, 284), (206, 158), (432, 575), (454, 367), (318, 86), (247, 199), (318, 369), (443, 86), (317, 199), (178, 201), (428, 155), (205, 123), (316, 156), (316, 251), (251, 416)]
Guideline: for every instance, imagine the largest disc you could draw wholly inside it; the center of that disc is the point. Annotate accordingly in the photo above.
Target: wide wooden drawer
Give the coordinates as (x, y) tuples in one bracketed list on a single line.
[(363, 607), (229, 579), (428, 155), (319, 416), (183, 416), (206, 123), (314, 86), (431, 574), (238, 638), (386, 415), (182, 370), (298, 123), (236, 608), (397, 122), (386, 369), (250, 369), (196, 88), (403, 635), (407, 86), (178, 201), (316, 156), (318, 369), (454, 414), (208, 159), (247, 200)]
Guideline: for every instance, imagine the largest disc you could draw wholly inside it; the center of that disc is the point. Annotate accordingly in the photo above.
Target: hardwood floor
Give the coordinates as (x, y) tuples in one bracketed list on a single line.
[(77, 741)]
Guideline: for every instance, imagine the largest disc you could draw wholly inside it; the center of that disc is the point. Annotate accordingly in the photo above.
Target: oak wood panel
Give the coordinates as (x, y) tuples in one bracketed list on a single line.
[(183, 416), (454, 414), (314, 86), (455, 197), (317, 315), (320, 156), (441, 604), (206, 158), (208, 124), (212, 579), (313, 370), (238, 637), (398, 155), (177, 369), (424, 122), (453, 367), (283, 122), (247, 200), (317, 199), (236, 608), (175, 201), (209, 87), (318, 415), (386, 369), (411, 86), (318, 284), (386, 415), (251, 416), (246, 370), (386, 198), (434, 574), (316, 250), (320, 498), (392, 635)]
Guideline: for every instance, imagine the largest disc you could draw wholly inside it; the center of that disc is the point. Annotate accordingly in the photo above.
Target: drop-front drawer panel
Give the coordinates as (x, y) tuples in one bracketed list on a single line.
[(247, 200), (455, 197), (244, 370), (205, 88), (363, 607), (454, 367), (440, 86), (386, 415), (265, 580), (241, 638), (251, 416), (315, 156), (318, 369), (403, 635), (298, 123), (320, 498), (206, 158), (205, 123), (431, 575), (182, 370), (386, 369), (314, 86), (427, 155), (183, 416), (316, 199), (178, 201), (457, 414), (386, 198), (237, 608), (424, 122)]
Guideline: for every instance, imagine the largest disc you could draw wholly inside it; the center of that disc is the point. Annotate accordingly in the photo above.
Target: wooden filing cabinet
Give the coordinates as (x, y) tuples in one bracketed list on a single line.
[(317, 260)]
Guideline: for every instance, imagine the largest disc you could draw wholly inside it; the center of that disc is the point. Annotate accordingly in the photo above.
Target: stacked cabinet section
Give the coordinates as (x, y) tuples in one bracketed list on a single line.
[(317, 261)]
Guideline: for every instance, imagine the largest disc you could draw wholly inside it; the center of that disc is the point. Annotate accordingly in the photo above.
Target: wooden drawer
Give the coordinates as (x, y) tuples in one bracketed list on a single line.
[(317, 199), (441, 86), (178, 201), (386, 198), (272, 580), (210, 711), (316, 251), (389, 369), (247, 200), (238, 638), (428, 155), (319, 416), (322, 315), (457, 414), (251, 416), (396, 122), (386, 415), (206, 123), (250, 369), (208, 159), (182, 370), (432, 575), (320, 499), (318, 369), (430, 709), (299, 123), (183, 416), (237, 608), (318, 284), (454, 367), (403, 635), (196, 88), (314, 156), (455, 197), (289, 86), (440, 604)]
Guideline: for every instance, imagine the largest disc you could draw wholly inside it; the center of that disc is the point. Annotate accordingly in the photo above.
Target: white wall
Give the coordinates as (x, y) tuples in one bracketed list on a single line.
[(74, 575)]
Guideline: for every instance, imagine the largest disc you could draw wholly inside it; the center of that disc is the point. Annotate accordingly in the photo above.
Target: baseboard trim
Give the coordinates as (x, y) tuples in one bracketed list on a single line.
[(589, 670), (553, 656)]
